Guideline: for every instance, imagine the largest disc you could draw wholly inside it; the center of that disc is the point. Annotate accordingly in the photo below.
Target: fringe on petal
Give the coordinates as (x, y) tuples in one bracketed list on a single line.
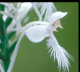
[(59, 53), (48, 8)]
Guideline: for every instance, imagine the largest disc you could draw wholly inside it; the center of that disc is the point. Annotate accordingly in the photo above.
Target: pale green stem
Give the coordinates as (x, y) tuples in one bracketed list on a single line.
[(15, 52)]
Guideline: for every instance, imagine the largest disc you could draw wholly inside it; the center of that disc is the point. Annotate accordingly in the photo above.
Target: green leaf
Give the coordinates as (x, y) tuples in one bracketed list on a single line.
[(2, 7), (2, 32), (10, 35), (12, 48), (4, 43), (2, 55), (8, 21)]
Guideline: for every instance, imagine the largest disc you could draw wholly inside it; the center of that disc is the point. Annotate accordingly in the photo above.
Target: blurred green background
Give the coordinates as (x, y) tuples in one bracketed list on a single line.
[(34, 57)]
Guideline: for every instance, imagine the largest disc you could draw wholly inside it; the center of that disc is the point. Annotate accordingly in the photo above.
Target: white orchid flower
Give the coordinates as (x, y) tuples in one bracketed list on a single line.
[(36, 32), (39, 32)]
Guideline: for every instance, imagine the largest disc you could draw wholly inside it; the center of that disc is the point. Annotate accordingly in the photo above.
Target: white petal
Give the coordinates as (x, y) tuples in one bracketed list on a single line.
[(37, 33), (57, 15), (59, 53)]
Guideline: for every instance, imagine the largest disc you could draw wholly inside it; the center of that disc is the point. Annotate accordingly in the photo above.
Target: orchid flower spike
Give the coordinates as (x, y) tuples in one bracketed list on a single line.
[(37, 31)]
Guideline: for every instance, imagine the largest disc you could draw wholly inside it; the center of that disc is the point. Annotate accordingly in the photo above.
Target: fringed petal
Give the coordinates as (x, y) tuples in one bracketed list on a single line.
[(59, 53), (48, 8)]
